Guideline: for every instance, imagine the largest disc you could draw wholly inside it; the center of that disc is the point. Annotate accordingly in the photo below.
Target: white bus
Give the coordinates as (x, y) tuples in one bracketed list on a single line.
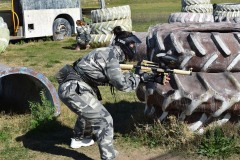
[(40, 18)]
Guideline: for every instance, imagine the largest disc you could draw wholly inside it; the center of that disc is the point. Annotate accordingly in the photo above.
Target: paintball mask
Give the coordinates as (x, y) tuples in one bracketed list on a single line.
[(128, 45)]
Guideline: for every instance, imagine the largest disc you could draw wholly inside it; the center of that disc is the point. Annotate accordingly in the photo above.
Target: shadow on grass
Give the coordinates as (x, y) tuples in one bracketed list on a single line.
[(49, 137), (125, 115), (72, 47)]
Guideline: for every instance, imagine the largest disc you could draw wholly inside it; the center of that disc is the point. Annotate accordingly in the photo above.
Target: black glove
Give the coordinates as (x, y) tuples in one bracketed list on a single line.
[(162, 78), (146, 77), (154, 77), (159, 78)]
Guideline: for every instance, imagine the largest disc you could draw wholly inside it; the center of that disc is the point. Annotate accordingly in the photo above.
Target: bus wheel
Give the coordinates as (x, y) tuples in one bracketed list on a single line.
[(61, 29)]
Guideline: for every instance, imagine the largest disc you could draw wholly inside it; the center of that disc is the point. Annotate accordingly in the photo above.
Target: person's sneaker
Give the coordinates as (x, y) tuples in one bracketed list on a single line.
[(77, 143)]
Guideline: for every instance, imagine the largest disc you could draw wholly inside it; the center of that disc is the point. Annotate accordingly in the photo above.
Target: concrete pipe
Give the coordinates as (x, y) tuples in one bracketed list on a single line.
[(21, 85)]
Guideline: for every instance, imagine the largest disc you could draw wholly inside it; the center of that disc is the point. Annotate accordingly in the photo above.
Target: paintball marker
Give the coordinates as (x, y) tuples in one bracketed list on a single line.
[(151, 71), (148, 66), (165, 62)]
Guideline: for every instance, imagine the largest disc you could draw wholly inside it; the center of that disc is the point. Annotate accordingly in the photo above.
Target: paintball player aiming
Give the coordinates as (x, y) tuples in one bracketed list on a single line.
[(78, 88)]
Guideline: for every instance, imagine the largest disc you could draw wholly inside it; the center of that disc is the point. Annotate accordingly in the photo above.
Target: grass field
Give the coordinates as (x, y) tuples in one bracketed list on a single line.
[(19, 140)]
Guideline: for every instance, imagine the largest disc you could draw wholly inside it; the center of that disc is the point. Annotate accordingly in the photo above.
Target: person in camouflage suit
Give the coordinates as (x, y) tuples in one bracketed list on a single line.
[(78, 88), (83, 35)]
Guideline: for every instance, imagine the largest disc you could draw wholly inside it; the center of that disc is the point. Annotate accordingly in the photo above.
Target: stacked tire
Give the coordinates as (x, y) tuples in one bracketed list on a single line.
[(197, 6), (4, 35), (227, 12), (104, 20), (193, 11)]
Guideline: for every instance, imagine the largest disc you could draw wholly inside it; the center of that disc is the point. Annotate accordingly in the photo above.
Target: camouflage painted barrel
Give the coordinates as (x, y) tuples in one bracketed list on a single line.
[(21, 85)]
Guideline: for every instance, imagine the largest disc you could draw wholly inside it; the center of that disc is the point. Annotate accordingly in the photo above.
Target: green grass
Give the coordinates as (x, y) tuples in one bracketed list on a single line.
[(216, 144), (41, 112), (170, 134), (147, 13), (152, 12)]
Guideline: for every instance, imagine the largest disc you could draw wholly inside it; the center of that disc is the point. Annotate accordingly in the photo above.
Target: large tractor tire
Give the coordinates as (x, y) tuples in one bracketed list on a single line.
[(211, 93), (194, 2), (227, 19), (228, 7), (226, 14), (104, 20), (111, 14), (185, 17), (107, 27), (4, 35), (101, 38), (198, 8), (229, 10)]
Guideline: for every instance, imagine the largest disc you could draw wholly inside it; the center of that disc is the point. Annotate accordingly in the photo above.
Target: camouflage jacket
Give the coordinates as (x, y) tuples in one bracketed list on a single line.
[(102, 66), (83, 34)]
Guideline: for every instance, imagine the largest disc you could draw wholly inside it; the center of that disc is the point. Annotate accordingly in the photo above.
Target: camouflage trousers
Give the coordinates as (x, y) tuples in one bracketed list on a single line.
[(81, 99)]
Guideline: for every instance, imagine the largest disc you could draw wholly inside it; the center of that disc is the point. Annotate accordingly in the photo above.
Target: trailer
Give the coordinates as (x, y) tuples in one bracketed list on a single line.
[(37, 18)]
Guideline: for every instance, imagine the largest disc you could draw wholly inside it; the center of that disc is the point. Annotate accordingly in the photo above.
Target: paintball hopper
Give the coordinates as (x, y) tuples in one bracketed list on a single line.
[(167, 61)]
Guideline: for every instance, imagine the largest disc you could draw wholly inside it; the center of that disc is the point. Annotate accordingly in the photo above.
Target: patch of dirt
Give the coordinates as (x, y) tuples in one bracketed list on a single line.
[(125, 153)]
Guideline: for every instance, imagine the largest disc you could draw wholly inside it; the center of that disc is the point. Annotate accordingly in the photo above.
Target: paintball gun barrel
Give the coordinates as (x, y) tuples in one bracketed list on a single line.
[(148, 66)]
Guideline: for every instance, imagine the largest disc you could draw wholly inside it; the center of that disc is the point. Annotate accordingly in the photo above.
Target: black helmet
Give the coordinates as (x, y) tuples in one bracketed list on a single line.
[(127, 41)]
